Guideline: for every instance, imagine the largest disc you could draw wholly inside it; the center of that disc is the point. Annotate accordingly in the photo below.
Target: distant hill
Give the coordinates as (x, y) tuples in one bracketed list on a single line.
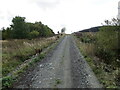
[(93, 29)]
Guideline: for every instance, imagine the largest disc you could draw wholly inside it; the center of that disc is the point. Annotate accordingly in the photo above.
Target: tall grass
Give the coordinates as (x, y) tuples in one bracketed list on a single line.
[(108, 74), (15, 52)]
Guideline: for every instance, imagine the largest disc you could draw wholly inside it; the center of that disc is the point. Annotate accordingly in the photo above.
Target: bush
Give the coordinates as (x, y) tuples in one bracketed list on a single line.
[(7, 81), (87, 38), (107, 43), (106, 55), (33, 34)]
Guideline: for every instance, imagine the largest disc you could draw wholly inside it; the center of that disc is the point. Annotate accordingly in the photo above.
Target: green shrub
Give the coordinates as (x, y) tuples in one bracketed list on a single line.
[(106, 65), (107, 44), (41, 56), (106, 55), (36, 60), (33, 34), (87, 38), (7, 81)]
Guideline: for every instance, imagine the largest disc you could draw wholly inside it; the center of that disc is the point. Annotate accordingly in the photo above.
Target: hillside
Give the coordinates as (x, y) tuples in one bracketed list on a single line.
[(93, 29)]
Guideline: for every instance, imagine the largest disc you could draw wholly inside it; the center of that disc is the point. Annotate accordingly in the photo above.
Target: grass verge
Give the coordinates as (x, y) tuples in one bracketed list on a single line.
[(8, 80), (106, 74)]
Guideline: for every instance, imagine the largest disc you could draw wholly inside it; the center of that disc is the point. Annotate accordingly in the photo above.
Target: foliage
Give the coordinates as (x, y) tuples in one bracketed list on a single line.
[(113, 22), (102, 52), (107, 43), (63, 30), (7, 81), (33, 34), (87, 38), (103, 71), (6, 33), (20, 29)]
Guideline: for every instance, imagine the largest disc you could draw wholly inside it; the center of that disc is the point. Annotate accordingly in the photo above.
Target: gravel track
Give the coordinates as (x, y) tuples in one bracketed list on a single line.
[(63, 67)]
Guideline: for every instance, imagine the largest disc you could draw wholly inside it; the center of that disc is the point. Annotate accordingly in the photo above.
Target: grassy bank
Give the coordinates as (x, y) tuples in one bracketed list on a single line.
[(15, 52), (40, 48), (107, 74)]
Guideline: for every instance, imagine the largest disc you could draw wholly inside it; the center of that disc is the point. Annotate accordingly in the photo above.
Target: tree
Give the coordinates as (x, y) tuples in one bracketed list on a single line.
[(107, 22), (20, 28), (113, 22), (63, 30), (58, 32), (7, 33)]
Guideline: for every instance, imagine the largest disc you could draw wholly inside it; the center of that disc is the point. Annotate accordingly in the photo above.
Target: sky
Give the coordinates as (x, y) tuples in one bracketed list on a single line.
[(119, 10), (75, 15)]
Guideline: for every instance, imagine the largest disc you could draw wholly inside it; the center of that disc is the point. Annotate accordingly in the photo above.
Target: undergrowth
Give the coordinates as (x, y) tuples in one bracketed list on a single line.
[(15, 52), (10, 62), (107, 73)]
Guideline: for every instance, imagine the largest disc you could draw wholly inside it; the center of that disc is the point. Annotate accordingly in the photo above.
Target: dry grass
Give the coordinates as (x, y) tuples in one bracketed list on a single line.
[(88, 49), (15, 52), (106, 74)]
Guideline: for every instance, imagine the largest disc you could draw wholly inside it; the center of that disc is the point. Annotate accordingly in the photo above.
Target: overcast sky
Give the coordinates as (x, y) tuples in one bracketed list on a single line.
[(75, 15)]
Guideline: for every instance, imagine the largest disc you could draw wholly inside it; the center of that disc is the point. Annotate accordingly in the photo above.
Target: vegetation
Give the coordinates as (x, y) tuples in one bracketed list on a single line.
[(63, 30), (101, 50), (15, 52), (20, 29), (7, 81), (57, 81), (33, 34), (93, 29), (18, 54), (107, 44), (20, 42)]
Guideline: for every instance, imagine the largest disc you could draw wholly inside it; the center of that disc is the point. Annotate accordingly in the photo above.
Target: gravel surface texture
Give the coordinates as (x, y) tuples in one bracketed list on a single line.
[(63, 67)]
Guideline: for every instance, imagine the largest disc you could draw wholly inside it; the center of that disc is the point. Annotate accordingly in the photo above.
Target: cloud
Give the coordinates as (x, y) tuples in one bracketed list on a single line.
[(73, 14), (45, 4)]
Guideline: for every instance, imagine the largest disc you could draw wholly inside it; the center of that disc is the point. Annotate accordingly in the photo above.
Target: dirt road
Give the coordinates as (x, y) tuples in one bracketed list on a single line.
[(64, 67)]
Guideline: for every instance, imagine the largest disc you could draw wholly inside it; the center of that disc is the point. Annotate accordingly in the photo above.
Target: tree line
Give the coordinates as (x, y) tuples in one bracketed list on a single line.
[(20, 29)]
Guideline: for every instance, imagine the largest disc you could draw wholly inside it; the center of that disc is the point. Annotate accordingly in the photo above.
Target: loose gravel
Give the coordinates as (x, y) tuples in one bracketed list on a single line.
[(63, 67)]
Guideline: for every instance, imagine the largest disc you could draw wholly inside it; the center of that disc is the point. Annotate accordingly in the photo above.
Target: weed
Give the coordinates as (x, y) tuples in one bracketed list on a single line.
[(31, 63), (7, 81), (35, 60), (20, 71), (58, 81), (41, 56)]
